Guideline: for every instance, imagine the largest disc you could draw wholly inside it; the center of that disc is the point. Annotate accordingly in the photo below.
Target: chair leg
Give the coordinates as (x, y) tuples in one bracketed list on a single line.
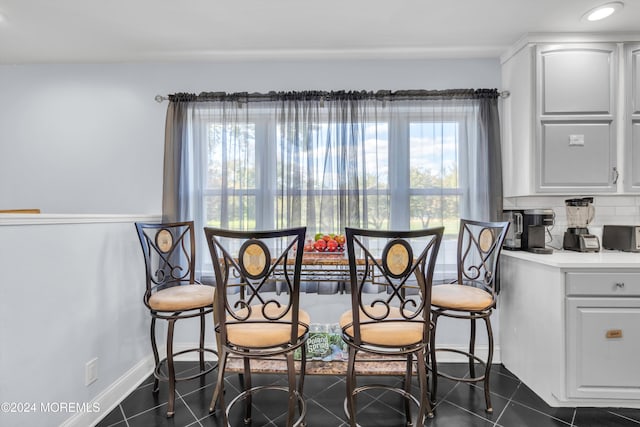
[(156, 357), (407, 388), (303, 371), (293, 400), (351, 384), (202, 333), (247, 386), (171, 370), (472, 348), (425, 404), (487, 372), (218, 393), (434, 363)]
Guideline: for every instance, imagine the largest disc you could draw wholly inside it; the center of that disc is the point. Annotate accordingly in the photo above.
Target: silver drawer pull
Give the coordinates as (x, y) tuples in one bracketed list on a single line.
[(620, 285)]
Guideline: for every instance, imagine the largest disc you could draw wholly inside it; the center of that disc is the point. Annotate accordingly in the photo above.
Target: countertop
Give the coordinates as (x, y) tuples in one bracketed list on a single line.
[(571, 259)]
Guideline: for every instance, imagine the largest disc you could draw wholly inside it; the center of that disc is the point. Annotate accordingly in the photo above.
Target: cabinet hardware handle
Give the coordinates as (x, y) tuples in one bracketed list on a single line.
[(616, 174), (620, 285), (614, 333)]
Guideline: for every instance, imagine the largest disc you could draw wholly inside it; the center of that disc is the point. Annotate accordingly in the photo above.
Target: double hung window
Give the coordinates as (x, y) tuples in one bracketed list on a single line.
[(330, 160)]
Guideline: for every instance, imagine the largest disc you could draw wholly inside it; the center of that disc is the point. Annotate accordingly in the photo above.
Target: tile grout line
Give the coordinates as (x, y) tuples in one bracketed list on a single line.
[(495, 424), (543, 413), (624, 417), (123, 415), (195, 417)]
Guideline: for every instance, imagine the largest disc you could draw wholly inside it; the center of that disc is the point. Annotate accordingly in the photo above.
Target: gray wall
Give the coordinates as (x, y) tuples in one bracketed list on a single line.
[(89, 138)]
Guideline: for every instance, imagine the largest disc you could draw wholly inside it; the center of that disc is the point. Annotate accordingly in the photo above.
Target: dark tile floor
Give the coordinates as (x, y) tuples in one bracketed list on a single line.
[(460, 404)]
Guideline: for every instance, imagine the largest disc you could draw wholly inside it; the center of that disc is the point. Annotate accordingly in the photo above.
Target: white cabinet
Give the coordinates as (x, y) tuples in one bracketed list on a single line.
[(576, 122), (603, 337), (569, 326), (632, 130), (571, 124)]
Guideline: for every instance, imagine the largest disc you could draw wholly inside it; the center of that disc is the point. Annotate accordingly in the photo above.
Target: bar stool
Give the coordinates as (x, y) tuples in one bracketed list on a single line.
[(396, 323), (172, 294), (471, 296), (252, 322)]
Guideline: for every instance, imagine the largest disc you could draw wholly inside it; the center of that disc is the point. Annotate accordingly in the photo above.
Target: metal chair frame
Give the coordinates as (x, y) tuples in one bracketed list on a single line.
[(414, 308), (230, 267), (477, 266), (165, 268)]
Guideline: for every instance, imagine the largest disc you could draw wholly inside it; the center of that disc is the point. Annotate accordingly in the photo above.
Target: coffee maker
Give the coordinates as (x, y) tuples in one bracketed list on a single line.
[(580, 213), (513, 239), (534, 229)]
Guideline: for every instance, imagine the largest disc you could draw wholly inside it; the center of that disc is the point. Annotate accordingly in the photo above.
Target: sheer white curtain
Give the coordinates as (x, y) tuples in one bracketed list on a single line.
[(327, 160)]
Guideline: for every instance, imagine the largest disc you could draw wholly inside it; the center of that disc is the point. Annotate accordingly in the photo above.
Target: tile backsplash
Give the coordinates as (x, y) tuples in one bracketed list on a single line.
[(609, 209)]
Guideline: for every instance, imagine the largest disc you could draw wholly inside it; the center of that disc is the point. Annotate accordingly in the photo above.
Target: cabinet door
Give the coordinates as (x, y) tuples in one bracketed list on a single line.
[(576, 154), (577, 79), (603, 341), (632, 165), (576, 118)]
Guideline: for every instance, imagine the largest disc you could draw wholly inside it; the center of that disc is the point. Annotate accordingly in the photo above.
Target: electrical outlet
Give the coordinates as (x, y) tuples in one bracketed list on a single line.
[(91, 371)]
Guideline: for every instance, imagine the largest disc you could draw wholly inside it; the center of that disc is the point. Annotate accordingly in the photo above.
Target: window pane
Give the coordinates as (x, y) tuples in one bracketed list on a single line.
[(231, 170), (433, 175)]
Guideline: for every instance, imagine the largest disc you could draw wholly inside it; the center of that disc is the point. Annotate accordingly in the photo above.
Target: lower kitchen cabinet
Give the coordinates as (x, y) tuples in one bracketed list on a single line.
[(570, 326), (603, 334)]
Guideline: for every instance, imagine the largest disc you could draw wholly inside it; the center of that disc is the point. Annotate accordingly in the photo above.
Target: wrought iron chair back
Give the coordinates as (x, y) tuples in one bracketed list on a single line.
[(169, 254), (479, 247), (405, 270)]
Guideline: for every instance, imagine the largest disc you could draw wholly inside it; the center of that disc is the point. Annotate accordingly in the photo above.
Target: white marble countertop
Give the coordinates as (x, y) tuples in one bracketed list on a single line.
[(571, 259)]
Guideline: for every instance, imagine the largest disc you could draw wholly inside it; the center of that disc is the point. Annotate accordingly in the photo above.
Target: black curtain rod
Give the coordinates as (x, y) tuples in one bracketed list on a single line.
[(335, 95)]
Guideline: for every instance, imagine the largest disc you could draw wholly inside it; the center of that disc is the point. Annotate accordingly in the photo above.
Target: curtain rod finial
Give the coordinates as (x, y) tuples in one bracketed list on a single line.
[(160, 98)]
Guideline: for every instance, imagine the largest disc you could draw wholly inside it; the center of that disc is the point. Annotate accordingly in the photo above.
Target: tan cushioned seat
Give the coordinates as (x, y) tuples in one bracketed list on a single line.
[(399, 333), (460, 297), (267, 334), (185, 297)]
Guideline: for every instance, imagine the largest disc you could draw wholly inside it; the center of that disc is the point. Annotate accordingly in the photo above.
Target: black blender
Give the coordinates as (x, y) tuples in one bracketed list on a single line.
[(580, 213)]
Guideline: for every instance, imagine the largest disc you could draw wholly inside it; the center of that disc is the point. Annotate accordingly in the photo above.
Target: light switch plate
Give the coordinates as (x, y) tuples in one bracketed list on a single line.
[(576, 140)]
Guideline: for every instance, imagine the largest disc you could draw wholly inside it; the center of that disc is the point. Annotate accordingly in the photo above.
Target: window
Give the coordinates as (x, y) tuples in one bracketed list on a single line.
[(330, 160)]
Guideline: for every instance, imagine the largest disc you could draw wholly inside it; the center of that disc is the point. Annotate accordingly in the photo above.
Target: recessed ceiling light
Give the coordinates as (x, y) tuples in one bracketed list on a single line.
[(602, 11)]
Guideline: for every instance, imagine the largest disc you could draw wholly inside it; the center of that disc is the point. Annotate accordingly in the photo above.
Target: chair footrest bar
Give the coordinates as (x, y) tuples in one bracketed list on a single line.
[(246, 393), (162, 377)]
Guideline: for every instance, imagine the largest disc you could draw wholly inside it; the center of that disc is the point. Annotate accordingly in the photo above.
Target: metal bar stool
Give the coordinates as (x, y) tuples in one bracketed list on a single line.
[(471, 296), (254, 319), (172, 294), (395, 323)]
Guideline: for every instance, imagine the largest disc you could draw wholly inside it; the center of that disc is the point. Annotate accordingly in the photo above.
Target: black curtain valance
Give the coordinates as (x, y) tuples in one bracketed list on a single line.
[(383, 95)]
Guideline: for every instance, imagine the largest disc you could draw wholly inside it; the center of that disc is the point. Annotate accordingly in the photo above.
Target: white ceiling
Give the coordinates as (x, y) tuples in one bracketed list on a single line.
[(46, 31)]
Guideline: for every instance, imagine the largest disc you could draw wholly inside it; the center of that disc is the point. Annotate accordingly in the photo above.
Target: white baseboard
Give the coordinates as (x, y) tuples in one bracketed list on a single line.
[(111, 397)]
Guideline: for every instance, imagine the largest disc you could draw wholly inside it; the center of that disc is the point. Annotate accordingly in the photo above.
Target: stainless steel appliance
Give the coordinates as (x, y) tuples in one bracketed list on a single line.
[(621, 237), (534, 230), (513, 240), (580, 213)]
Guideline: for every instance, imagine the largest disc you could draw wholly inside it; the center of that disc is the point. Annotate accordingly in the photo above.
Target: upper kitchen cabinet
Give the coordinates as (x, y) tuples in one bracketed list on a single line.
[(576, 79), (575, 119), (632, 103), (566, 117)]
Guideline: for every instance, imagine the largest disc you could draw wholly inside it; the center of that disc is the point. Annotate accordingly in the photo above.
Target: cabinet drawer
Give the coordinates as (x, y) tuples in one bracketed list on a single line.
[(603, 284)]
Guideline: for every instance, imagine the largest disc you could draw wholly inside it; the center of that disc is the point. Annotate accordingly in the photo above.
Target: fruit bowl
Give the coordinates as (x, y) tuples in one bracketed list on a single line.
[(325, 243)]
